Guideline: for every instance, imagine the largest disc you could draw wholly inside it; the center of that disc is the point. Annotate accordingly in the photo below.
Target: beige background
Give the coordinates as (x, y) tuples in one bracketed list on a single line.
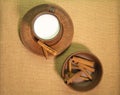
[(96, 25)]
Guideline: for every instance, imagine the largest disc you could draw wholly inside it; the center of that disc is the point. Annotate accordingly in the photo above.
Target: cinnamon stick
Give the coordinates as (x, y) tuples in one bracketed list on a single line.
[(77, 75), (83, 61), (87, 74), (45, 53), (70, 67), (74, 77), (86, 67), (84, 78), (49, 49)]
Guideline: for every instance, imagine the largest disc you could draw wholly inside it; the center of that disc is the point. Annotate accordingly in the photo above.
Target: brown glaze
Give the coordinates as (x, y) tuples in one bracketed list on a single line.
[(76, 81), (60, 43)]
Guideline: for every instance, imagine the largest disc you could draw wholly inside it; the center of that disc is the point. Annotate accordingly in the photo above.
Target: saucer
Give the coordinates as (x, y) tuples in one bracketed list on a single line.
[(60, 43)]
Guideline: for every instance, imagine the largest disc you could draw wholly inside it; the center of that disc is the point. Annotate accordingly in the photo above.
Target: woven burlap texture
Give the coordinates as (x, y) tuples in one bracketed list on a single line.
[(96, 26)]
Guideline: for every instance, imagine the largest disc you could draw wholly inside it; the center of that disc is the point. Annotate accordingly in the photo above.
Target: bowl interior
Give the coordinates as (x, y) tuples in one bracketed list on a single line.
[(96, 76)]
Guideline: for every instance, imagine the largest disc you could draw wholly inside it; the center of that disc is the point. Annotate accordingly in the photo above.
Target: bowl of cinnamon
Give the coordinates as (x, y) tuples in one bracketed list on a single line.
[(82, 71)]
